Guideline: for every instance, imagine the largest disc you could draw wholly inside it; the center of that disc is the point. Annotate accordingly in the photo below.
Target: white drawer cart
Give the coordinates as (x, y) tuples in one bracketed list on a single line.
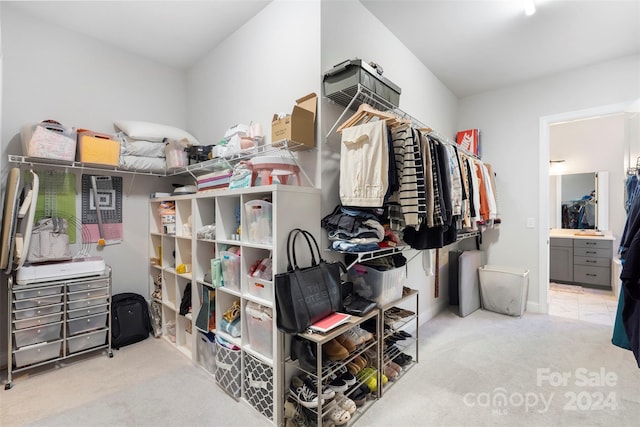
[(52, 321)]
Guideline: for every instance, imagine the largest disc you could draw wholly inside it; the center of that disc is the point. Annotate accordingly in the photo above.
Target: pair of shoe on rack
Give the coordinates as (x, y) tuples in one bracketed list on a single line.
[(397, 336), (396, 355), (359, 393), (338, 377), (369, 377), (299, 416), (390, 369), (339, 408), (340, 347), (397, 313)]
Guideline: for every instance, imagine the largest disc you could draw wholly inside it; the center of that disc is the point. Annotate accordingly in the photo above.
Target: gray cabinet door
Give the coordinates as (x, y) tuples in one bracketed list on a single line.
[(561, 264)]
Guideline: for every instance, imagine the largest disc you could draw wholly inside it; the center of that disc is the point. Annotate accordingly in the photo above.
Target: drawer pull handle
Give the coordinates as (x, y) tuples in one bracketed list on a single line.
[(591, 252), (590, 243), (592, 275), (591, 261)]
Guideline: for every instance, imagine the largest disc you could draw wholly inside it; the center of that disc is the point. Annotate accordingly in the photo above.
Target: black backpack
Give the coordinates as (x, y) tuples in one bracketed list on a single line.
[(130, 321)]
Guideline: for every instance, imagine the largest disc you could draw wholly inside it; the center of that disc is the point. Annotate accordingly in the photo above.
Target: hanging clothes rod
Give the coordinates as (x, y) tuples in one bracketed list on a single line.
[(364, 95)]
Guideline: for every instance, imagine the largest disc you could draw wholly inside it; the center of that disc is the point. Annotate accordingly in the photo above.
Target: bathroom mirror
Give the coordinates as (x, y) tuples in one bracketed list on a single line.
[(581, 200)]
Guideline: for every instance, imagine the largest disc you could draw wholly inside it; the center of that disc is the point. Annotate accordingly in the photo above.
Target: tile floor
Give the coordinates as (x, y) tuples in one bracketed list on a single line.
[(587, 304)]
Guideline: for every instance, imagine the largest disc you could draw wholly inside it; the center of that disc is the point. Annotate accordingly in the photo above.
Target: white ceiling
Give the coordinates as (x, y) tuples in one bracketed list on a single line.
[(470, 45), (478, 45)]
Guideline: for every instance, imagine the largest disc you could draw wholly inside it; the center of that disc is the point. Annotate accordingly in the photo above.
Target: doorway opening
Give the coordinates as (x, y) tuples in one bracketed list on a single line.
[(567, 298)]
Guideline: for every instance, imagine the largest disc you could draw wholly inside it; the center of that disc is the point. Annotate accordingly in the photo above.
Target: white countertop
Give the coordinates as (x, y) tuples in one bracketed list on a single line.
[(563, 233)]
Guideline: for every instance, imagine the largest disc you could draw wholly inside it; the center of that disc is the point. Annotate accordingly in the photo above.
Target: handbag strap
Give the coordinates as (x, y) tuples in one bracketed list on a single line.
[(291, 251), (306, 235)]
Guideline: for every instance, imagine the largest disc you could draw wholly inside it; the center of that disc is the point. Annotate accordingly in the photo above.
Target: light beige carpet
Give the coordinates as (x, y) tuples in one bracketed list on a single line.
[(483, 370)]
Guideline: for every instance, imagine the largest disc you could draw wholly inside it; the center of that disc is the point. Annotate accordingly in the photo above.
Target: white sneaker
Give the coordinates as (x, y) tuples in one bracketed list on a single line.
[(362, 333)]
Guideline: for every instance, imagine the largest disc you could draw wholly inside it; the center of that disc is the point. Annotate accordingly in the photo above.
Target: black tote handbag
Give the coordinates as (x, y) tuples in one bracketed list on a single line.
[(306, 295)]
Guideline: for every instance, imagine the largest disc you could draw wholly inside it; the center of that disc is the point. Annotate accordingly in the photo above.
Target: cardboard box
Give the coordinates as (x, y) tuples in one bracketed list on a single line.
[(98, 148), (299, 127)]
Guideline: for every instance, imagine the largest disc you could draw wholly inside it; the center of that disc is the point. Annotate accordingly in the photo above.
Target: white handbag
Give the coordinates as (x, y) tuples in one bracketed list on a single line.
[(49, 241)]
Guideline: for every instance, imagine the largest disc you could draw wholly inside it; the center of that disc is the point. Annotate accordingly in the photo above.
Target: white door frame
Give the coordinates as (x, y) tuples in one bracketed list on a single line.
[(543, 214)]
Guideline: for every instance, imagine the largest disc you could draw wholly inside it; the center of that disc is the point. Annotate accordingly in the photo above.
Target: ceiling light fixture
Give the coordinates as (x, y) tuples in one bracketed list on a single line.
[(529, 7)]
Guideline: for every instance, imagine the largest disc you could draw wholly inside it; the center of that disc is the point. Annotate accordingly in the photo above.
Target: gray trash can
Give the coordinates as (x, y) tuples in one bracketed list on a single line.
[(504, 289)]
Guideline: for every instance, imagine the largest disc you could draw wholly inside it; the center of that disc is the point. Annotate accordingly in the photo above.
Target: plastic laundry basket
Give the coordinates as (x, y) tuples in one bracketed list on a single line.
[(504, 289)]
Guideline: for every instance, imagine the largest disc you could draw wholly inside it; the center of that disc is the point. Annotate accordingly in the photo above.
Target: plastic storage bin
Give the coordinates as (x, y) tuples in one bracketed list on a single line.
[(87, 311), (87, 341), (83, 295), (38, 302), (75, 305), (34, 293), (38, 334), (258, 385), (258, 223), (50, 140), (260, 288), (341, 83), (230, 270), (504, 289), (98, 148), (84, 324), (37, 321), (206, 351), (37, 311), (383, 287), (259, 328), (37, 353)]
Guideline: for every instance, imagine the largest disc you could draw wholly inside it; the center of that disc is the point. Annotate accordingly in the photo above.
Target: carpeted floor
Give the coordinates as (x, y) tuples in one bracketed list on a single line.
[(483, 370)]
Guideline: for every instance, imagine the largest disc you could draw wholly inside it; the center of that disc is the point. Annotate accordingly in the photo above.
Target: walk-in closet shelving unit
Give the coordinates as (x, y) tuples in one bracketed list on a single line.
[(253, 372), (56, 320)]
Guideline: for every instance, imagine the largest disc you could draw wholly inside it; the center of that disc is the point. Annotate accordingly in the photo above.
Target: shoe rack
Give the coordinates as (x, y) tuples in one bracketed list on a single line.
[(398, 345), (328, 370), (249, 370)]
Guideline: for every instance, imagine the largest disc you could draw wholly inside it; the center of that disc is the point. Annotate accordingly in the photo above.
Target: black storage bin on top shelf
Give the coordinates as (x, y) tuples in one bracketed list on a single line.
[(341, 84)]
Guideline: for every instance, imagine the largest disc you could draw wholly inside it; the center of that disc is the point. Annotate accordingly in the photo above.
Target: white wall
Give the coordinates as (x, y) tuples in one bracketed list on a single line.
[(50, 72), (349, 30), (509, 119), (261, 69)]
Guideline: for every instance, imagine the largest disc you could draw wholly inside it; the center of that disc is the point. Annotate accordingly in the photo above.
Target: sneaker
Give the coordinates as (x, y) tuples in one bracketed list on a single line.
[(352, 338), (327, 391), (338, 385), (303, 394), (362, 333), (346, 376)]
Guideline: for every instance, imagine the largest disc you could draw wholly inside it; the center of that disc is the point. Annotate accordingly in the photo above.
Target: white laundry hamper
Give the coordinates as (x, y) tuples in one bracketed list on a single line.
[(504, 289)]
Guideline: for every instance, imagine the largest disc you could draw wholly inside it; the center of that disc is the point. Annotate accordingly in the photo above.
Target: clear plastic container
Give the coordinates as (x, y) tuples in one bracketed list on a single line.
[(87, 341), (38, 334), (230, 270), (258, 222), (259, 327)]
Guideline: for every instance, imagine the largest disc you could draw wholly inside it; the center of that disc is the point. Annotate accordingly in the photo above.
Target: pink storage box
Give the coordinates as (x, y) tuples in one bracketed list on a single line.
[(50, 140)]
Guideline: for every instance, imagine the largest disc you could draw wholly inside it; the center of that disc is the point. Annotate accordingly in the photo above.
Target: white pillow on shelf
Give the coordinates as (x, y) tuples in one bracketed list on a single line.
[(153, 132)]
